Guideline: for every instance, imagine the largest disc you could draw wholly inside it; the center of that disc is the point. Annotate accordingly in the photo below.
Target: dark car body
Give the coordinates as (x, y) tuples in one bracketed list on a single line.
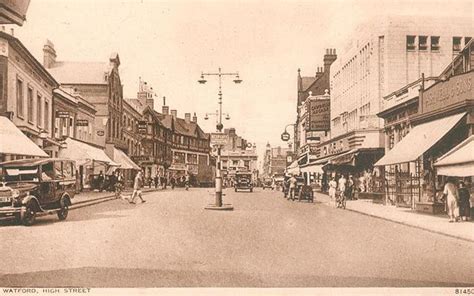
[(267, 183), (243, 181), (31, 186)]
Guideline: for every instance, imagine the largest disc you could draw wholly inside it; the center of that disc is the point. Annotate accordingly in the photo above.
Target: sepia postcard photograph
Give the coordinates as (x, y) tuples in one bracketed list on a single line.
[(236, 147)]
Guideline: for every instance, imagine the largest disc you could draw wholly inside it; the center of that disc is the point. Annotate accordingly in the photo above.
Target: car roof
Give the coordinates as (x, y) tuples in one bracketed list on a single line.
[(31, 162)]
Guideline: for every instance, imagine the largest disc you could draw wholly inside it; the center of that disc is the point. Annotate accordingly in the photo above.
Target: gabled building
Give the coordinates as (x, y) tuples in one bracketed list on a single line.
[(99, 84)]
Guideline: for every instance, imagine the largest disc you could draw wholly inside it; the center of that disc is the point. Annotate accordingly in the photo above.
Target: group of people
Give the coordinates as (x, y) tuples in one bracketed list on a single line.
[(109, 182), (340, 187), (458, 200)]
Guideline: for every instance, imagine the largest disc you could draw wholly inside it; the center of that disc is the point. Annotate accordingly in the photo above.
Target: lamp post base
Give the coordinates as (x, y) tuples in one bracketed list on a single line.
[(224, 207)]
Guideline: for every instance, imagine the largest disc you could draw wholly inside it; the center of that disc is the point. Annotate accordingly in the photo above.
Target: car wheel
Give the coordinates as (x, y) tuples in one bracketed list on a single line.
[(251, 189), (30, 214), (235, 189), (62, 213)]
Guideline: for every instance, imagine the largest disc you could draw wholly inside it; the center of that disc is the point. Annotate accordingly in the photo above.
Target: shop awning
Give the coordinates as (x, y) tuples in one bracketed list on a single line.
[(312, 168), (83, 153), (13, 141), (359, 156), (421, 138), (459, 161), (293, 168), (124, 161)]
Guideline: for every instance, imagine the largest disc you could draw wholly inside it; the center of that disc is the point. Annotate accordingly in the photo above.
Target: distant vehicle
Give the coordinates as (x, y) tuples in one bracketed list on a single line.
[(31, 186), (268, 183), (243, 180)]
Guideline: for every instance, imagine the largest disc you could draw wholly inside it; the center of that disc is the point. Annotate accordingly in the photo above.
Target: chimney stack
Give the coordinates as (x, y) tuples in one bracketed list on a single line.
[(187, 117), (165, 109), (49, 54), (319, 72), (174, 113), (195, 119), (329, 58)]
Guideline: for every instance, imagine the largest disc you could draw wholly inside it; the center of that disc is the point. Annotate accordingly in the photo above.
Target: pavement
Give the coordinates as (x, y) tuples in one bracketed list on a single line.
[(434, 223), (267, 241)]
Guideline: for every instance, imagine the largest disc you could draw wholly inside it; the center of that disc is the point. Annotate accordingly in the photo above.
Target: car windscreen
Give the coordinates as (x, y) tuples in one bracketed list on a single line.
[(15, 174)]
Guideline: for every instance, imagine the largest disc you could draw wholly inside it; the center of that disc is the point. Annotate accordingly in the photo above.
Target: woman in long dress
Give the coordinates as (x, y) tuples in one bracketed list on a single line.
[(332, 189)]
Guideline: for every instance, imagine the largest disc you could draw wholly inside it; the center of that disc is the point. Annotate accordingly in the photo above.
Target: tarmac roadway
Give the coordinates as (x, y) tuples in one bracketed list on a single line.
[(267, 241)]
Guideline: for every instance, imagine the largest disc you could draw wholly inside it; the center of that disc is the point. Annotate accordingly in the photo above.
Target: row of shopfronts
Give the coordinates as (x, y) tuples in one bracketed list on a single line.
[(427, 137)]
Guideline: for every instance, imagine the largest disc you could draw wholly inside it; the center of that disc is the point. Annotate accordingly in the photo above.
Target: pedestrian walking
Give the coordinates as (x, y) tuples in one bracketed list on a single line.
[(450, 192), (292, 186), (342, 184), (156, 180), (186, 181), (350, 188), (464, 202), (118, 184), (137, 188)]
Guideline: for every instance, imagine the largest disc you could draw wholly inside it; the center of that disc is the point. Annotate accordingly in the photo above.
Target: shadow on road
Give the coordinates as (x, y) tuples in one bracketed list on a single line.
[(135, 277)]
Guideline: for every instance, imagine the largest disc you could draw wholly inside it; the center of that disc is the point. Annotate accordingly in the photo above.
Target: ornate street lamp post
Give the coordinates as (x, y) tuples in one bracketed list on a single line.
[(219, 126)]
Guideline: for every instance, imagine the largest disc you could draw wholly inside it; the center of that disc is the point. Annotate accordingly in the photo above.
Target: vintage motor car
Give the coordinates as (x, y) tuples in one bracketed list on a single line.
[(243, 180), (36, 186), (268, 183)]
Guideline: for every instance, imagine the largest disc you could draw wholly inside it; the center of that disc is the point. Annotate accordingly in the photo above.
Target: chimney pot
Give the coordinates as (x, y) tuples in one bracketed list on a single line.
[(187, 117), (195, 119)]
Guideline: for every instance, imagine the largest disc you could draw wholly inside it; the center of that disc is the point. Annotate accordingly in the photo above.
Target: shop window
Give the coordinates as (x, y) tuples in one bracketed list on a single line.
[(434, 42), (457, 43), (411, 42), (423, 42)]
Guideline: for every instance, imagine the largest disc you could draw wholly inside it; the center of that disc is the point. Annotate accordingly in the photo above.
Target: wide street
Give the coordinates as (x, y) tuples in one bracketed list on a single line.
[(267, 241)]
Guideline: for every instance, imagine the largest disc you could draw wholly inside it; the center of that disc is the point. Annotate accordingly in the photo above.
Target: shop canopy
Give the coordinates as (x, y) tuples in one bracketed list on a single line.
[(13, 141), (125, 162), (355, 157), (421, 138), (84, 153), (459, 161), (293, 168)]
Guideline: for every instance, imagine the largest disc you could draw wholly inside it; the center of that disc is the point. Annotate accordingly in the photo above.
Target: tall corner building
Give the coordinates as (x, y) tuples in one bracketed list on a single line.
[(384, 55)]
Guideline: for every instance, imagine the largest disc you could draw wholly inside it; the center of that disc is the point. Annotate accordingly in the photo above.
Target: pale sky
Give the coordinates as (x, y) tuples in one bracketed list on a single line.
[(169, 43)]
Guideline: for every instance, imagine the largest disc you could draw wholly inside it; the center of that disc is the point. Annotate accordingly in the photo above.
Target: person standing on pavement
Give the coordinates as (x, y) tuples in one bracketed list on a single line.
[(100, 181), (464, 202), (451, 193), (172, 182), (342, 185), (186, 181), (156, 180), (137, 188), (332, 189)]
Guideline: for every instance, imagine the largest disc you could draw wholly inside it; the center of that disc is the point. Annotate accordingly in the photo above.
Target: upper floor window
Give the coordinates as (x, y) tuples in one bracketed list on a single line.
[(30, 104), (19, 97), (434, 42), (39, 112), (411, 42), (457, 43), (423, 43), (46, 115)]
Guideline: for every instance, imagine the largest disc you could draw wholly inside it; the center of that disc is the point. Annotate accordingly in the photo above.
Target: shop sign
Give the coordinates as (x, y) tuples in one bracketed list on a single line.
[(178, 167), (219, 139), (142, 158), (142, 127), (456, 89), (100, 133), (62, 114), (82, 122), (319, 116)]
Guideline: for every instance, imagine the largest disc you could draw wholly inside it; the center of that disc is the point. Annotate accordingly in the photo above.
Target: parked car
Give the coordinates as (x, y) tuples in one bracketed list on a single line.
[(36, 186), (243, 180), (268, 183)]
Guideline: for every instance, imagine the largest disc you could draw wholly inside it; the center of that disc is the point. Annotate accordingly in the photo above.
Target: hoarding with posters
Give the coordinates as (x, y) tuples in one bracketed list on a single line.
[(319, 117)]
